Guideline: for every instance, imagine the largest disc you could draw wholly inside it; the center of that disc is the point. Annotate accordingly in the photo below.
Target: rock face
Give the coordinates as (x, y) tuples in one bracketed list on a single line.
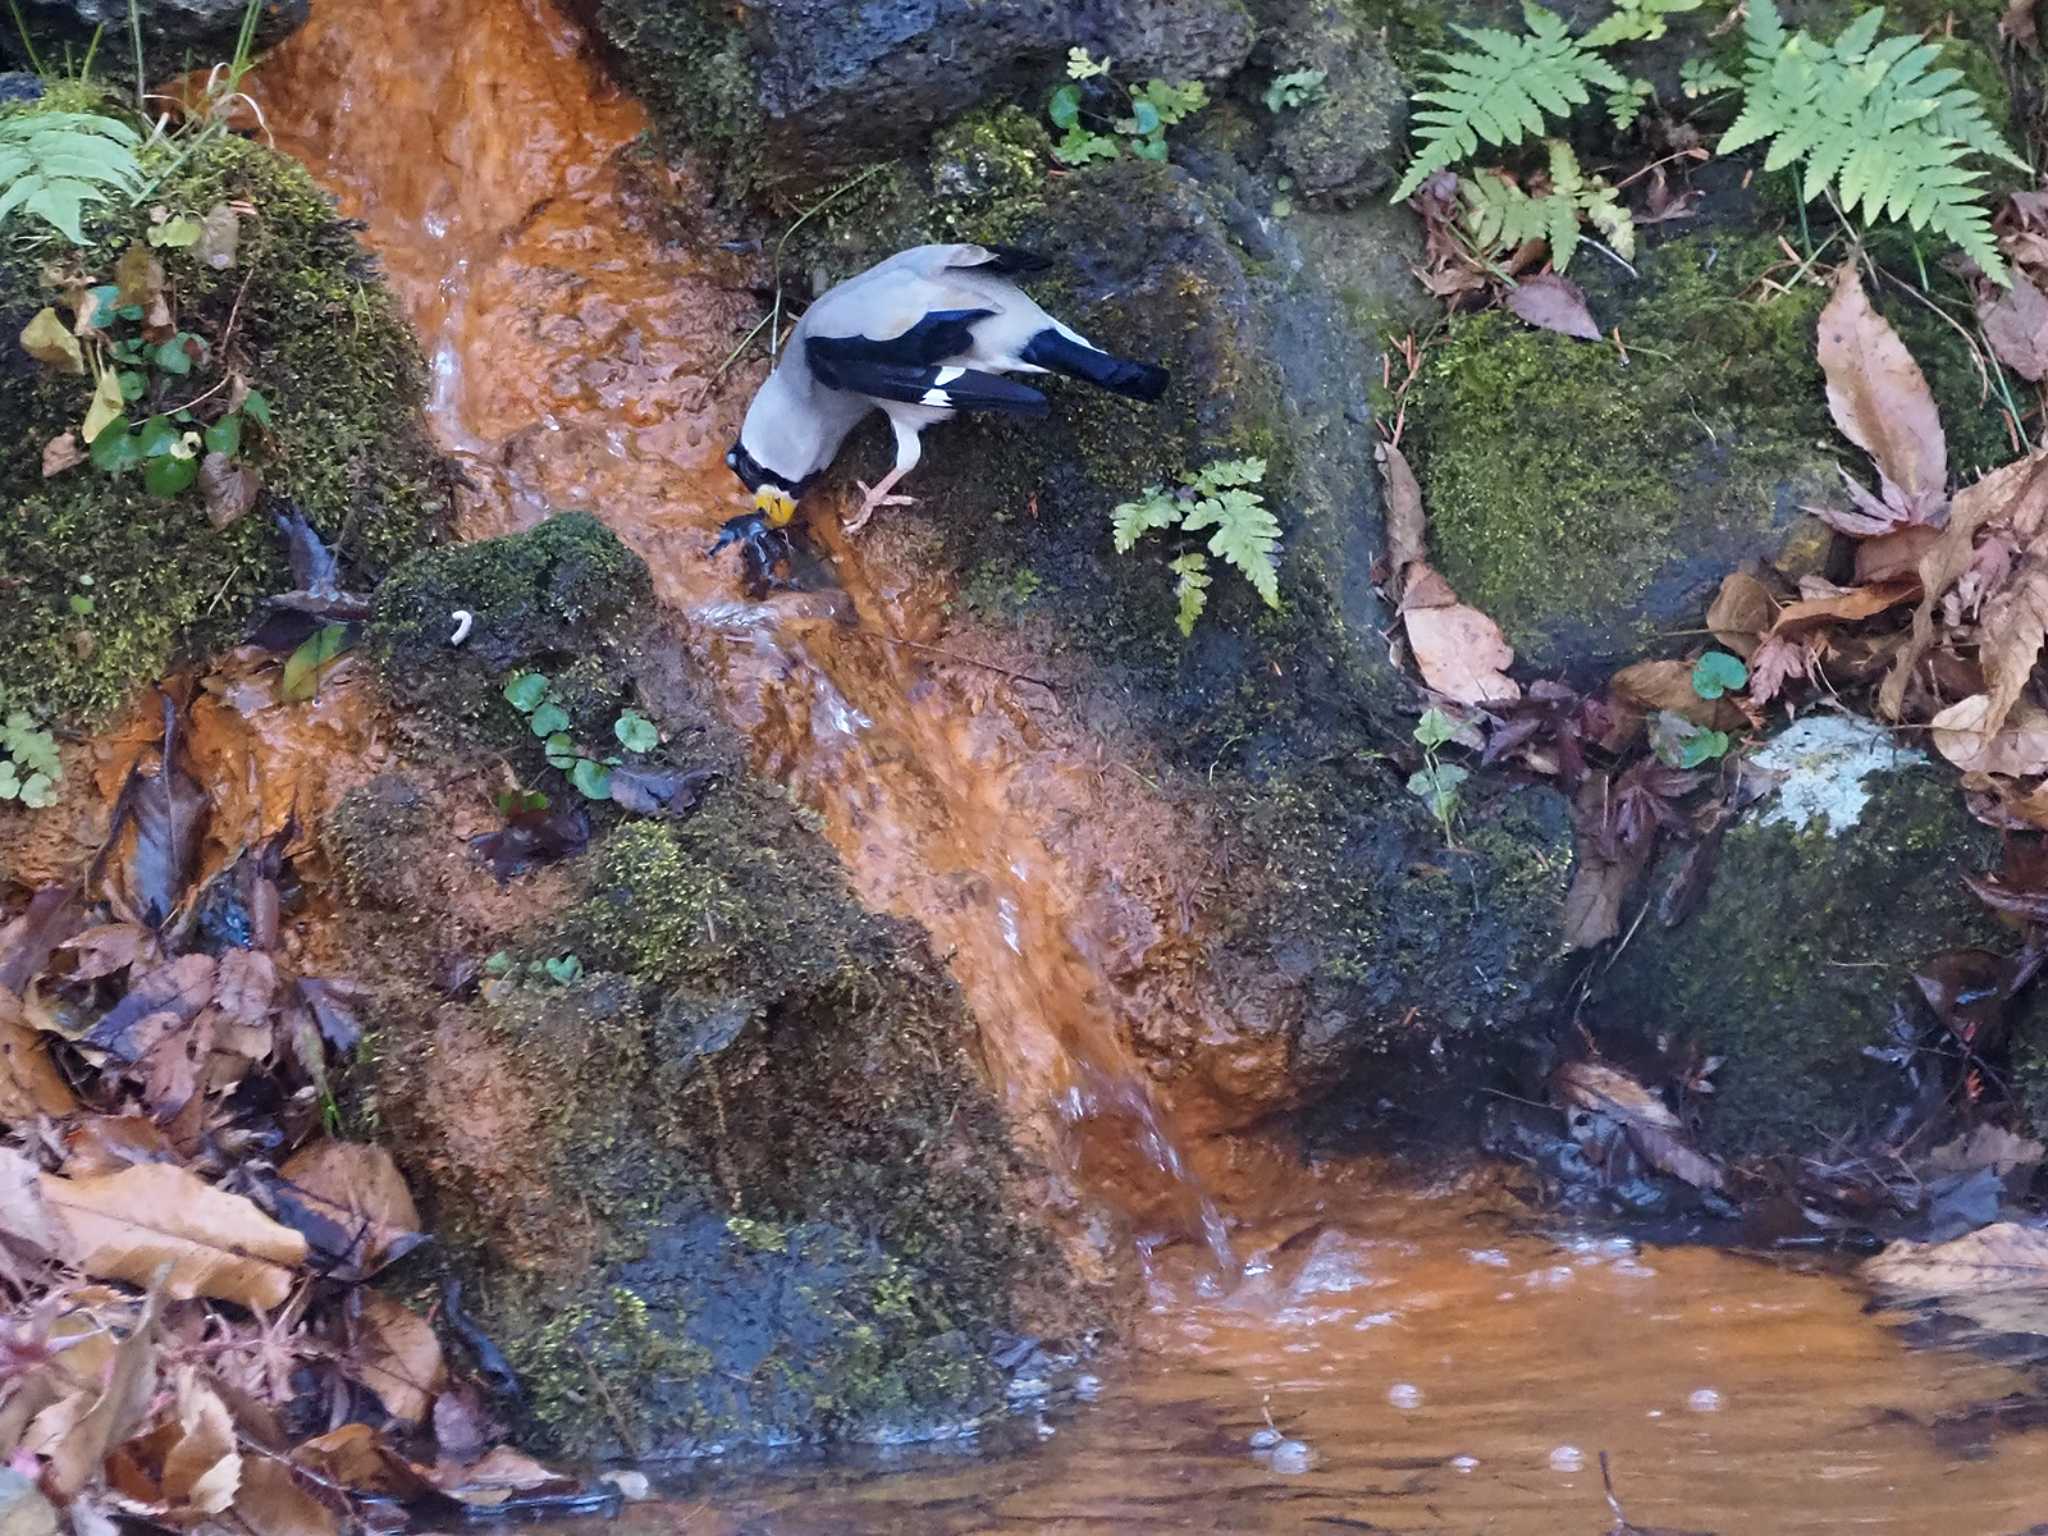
[(1825, 897), (1350, 138), (177, 35)]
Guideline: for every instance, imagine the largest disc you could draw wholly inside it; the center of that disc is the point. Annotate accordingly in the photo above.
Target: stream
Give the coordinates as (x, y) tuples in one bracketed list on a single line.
[(1432, 1363)]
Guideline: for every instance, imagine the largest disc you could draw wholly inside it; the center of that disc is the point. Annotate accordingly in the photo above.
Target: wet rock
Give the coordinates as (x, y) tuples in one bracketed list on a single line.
[(1172, 39), (19, 85), (1350, 139), (1824, 898), (177, 35)]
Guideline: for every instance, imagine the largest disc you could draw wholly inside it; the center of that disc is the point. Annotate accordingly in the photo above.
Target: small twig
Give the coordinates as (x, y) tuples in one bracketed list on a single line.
[(1613, 256), (933, 650)]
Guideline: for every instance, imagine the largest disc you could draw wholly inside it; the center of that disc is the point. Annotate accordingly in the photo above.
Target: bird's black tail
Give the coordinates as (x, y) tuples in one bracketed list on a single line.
[(1118, 375)]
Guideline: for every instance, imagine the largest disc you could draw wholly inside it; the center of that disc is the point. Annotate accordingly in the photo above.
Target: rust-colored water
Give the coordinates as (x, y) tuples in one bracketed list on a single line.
[(575, 306)]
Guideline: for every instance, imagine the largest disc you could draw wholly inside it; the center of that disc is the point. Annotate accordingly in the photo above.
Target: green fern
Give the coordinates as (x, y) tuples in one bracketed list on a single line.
[(1636, 21), (1221, 497), (1874, 121), (53, 163), (1192, 589), (1503, 92), (1500, 216)]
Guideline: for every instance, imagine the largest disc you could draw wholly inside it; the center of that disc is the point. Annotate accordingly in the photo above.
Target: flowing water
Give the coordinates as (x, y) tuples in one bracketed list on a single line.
[(1431, 1368)]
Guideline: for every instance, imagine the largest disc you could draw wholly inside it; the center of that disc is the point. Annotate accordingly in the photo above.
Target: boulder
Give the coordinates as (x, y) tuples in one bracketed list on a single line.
[(177, 35), (1349, 139)]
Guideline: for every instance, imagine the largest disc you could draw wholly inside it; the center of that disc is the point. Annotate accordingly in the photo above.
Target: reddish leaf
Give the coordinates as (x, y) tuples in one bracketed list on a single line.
[(1459, 650), (1554, 303), (2015, 322), (1880, 400)]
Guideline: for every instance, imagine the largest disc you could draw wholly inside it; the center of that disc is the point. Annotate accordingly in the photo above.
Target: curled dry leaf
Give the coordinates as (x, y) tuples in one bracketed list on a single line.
[(1656, 1133), (1988, 1146), (1406, 528), (1655, 685), (2018, 748), (356, 1457), (166, 998), (2015, 623), (48, 340), (1742, 613), (272, 1502), (29, 1232), (76, 1434), (62, 452), (1880, 400), (397, 1357), (352, 1204), (2015, 322), (1459, 650), (229, 489), (126, 1225), (1553, 303), (2002, 1257), (498, 1476), (203, 1469), (1845, 607)]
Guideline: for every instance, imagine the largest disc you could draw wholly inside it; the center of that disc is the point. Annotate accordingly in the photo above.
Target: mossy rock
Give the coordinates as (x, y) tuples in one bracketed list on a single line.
[(1823, 898), (106, 585), (1350, 138), (1589, 500), (177, 35)]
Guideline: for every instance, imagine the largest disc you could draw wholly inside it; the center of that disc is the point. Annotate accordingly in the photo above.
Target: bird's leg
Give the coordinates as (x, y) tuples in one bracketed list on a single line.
[(907, 450)]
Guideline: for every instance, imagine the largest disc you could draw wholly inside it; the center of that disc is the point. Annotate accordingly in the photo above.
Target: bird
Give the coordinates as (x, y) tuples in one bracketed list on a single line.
[(920, 336)]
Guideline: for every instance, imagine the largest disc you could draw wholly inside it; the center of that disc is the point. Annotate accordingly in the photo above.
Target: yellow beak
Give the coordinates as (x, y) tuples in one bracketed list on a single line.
[(778, 505)]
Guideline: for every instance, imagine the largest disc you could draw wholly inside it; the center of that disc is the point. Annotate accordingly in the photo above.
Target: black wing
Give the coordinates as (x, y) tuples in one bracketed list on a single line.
[(944, 388), (939, 335), (1008, 261)]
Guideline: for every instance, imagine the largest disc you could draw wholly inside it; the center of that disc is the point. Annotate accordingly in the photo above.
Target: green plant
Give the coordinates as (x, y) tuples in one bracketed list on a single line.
[(1499, 215), (1679, 743), (532, 694), (1502, 92), (1219, 497), (53, 163), (1874, 124), (1717, 673), (503, 973), (30, 769), (1436, 783), (1296, 89), (1636, 21), (1155, 107), (1699, 77)]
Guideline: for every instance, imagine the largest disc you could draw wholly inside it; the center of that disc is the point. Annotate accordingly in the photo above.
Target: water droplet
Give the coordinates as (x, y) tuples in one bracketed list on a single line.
[(1706, 1400), (1405, 1394), (1291, 1456), (1567, 1458)]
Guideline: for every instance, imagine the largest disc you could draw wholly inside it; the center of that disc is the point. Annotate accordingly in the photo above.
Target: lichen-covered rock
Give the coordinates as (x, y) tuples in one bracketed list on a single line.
[(1171, 39), (177, 35), (1824, 896), (735, 1179), (105, 584), (1350, 138)]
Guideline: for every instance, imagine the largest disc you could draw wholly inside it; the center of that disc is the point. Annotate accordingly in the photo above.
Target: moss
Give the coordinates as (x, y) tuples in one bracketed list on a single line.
[(988, 173), (694, 69), (1563, 479), (316, 332), (540, 599), (1791, 966)]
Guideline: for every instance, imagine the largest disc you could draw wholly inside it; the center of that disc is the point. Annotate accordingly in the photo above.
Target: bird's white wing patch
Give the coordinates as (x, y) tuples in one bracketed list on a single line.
[(948, 375), (938, 397)]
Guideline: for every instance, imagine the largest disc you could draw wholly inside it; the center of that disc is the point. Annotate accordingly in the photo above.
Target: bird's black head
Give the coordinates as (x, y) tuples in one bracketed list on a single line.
[(773, 495)]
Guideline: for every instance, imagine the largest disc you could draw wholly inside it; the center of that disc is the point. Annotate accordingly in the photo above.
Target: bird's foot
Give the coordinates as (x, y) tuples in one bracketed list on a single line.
[(871, 499), (763, 547)]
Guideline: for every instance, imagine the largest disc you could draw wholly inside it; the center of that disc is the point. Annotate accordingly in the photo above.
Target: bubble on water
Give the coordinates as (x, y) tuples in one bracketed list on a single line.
[(1493, 1258), (1265, 1439), (1463, 1463), (1567, 1458), (1405, 1394), (1706, 1400), (1291, 1456), (1087, 1387)]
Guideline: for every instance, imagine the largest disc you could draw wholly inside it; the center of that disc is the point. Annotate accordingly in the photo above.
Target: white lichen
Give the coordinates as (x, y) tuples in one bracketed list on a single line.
[(1823, 761)]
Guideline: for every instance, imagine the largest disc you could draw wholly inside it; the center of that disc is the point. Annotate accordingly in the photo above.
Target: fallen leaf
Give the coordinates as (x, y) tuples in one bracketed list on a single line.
[(175, 992), (1880, 400), (2018, 749), (30, 1085), (397, 1357), (1742, 612), (461, 1427), (62, 452), (1406, 529), (220, 231), (28, 941), (203, 1470), (270, 1502), (1988, 1146), (331, 1003), (2014, 626), (1891, 556), (246, 985), (2017, 27), (357, 1457), (1776, 662), (312, 661), (1460, 652), (530, 839), (2016, 494), (140, 278), (108, 948), (2015, 322), (1656, 1133), (229, 489), (1850, 606), (352, 1204), (105, 409), (29, 1231), (1553, 303), (77, 1444), (125, 1225), (1667, 685), (168, 809), (497, 1476), (652, 791), (48, 340), (1602, 873), (2003, 1257), (109, 1143)]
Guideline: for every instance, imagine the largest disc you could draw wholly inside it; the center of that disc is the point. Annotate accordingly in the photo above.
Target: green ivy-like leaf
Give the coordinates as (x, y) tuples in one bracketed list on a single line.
[(1435, 728), (1718, 673), (636, 732), (525, 690), (561, 750), (549, 720), (305, 666), (170, 475), (225, 435), (592, 778)]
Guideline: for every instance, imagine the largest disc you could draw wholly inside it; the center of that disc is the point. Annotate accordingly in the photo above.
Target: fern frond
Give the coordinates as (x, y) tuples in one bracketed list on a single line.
[(1246, 535), (53, 163), (1499, 215), (1876, 122), (1192, 589), (1501, 92), (1130, 521)]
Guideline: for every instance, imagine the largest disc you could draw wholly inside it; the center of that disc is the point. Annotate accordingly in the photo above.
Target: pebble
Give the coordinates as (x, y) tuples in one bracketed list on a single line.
[(633, 1485), (1405, 1394), (1567, 1458), (1706, 1400), (1087, 1387)]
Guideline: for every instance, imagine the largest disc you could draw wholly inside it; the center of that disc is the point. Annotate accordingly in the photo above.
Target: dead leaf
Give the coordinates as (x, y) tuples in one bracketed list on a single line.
[(352, 1204), (1742, 612), (2016, 494), (497, 1476), (1553, 303), (29, 1230), (397, 1357), (48, 340), (1406, 529), (2015, 322), (1459, 650), (30, 1085), (27, 942), (1845, 607), (109, 1143), (1880, 400), (125, 1225), (105, 409), (203, 1470), (1656, 1133), (1988, 1146), (2018, 749), (108, 948), (357, 1457), (140, 277), (1654, 685), (2014, 626), (175, 992), (2017, 27), (77, 1442), (1891, 556), (1776, 662), (168, 809), (230, 489), (1603, 868), (220, 231), (62, 452), (270, 1502), (2002, 1257)]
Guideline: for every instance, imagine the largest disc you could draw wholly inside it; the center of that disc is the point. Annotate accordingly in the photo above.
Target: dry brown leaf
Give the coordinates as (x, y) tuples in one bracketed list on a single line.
[(498, 1476), (62, 452), (76, 1437), (2014, 626), (1459, 650), (246, 985), (29, 1231), (1988, 1146), (357, 1457), (124, 1225), (228, 489), (1846, 607), (30, 1084), (109, 1143), (1406, 529), (1880, 400), (2019, 749), (352, 1203), (109, 948), (270, 1502), (203, 1470), (1742, 612), (2016, 494), (1553, 303), (1891, 556), (2017, 25), (2002, 1257), (398, 1358), (2015, 322), (1652, 1128), (163, 1000), (1655, 685)]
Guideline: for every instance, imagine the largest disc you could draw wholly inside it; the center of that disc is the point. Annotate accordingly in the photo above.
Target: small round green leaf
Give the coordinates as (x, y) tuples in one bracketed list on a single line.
[(525, 690), (1718, 673), (636, 732), (550, 720), (1065, 109), (225, 435), (115, 449), (258, 407), (561, 750), (169, 476), (593, 778)]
